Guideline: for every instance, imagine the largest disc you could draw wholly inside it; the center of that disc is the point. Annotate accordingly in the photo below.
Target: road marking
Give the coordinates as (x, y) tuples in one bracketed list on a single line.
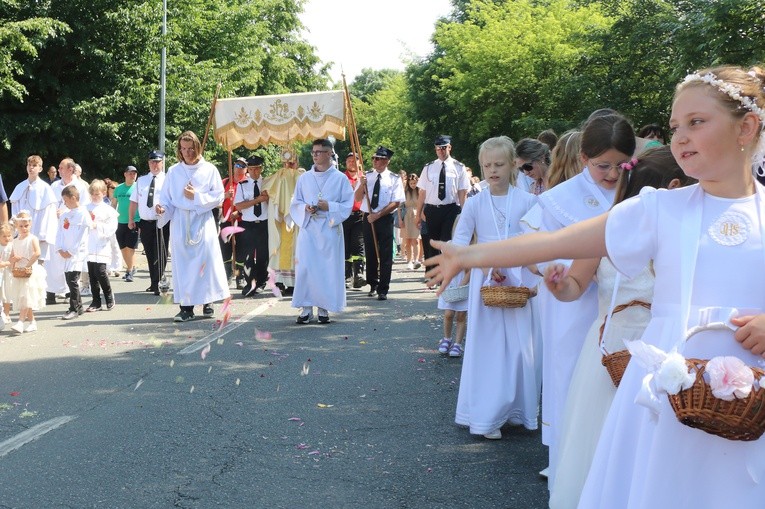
[(228, 328), (33, 433)]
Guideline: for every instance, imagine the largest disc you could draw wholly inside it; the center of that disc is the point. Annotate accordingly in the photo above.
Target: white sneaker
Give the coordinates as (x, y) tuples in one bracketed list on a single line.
[(410, 266), (19, 327), (86, 291), (30, 326), (494, 435), (6, 319)]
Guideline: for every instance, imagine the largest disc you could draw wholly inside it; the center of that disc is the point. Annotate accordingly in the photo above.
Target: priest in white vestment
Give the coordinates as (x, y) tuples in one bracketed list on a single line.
[(192, 189), (323, 199)]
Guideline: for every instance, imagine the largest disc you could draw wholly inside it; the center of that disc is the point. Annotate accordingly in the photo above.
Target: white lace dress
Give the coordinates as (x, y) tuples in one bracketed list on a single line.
[(591, 390)]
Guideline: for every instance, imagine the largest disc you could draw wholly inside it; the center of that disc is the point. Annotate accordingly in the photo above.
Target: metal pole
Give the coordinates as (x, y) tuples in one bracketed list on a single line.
[(162, 84)]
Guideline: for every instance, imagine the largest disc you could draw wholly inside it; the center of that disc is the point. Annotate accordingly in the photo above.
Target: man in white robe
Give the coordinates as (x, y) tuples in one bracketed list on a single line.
[(56, 283), (323, 199), (192, 189), (36, 197)]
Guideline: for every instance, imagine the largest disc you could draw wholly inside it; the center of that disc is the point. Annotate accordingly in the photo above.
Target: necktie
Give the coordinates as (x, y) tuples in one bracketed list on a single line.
[(150, 196), (257, 208), (376, 194), (442, 182)]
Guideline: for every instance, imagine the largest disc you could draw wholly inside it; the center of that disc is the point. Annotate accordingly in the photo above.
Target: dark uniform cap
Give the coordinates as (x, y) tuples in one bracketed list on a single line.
[(254, 161), (131, 168), (156, 155), (383, 152), (443, 139)]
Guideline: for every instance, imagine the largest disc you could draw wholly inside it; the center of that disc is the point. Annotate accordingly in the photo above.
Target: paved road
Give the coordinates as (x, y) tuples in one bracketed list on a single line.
[(125, 412)]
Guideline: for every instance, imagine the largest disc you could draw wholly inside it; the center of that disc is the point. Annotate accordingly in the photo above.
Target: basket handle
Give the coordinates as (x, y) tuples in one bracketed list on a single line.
[(617, 309)]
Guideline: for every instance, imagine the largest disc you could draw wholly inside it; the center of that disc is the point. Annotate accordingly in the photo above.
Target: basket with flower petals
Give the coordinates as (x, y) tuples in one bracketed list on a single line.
[(616, 362)]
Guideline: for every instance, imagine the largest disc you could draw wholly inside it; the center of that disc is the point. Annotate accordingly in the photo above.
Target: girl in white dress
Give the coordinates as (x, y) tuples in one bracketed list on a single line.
[(6, 245), (592, 390), (607, 140), (706, 242), (500, 379), (28, 294)]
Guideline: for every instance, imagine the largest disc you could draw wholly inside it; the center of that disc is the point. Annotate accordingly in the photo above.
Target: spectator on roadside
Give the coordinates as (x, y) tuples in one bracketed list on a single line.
[(127, 238)]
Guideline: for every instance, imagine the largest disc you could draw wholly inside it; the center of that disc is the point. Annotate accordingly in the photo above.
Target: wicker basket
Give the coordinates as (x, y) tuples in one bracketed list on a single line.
[(616, 362), (739, 419), (505, 296), (456, 293), (22, 272)]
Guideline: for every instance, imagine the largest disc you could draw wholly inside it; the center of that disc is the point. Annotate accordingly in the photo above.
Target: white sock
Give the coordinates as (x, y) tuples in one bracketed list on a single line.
[(306, 310), (323, 312)]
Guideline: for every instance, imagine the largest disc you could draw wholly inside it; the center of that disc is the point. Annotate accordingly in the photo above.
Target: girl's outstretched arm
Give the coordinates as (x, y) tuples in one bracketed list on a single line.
[(569, 283), (585, 239)]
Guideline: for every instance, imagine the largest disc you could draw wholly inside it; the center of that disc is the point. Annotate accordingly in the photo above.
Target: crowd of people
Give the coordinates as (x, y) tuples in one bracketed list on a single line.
[(674, 229), (545, 267)]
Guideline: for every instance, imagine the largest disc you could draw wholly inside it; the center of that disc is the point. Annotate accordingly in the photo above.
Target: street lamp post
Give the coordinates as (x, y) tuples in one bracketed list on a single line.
[(162, 84)]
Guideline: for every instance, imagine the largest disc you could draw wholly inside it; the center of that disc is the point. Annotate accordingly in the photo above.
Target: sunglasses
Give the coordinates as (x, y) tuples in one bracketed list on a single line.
[(526, 167)]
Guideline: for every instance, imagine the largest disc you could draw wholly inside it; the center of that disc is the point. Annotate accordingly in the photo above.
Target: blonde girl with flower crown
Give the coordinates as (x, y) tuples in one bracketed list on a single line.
[(707, 243)]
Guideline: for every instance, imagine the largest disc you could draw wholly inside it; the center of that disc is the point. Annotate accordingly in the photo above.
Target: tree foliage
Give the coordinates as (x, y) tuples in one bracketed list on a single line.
[(93, 93)]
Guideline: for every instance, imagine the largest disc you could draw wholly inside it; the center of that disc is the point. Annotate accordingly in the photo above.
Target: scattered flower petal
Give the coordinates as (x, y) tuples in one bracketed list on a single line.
[(323, 405), (15, 394), (138, 384), (227, 232), (192, 390), (238, 381), (205, 351), (306, 368)]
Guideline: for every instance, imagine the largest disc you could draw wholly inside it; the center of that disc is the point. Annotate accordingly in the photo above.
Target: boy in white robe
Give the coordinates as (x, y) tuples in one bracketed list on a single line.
[(323, 199)]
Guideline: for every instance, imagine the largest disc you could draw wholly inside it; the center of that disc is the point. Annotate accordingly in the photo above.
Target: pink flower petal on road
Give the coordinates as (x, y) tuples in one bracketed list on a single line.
[(421, 359), (205, 351), (294, 419), (262, 335), (301, 446), (227, 232), (312, 453)]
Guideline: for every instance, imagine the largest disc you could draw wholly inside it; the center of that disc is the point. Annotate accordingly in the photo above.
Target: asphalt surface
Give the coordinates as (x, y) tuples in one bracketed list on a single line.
[(126, 409)]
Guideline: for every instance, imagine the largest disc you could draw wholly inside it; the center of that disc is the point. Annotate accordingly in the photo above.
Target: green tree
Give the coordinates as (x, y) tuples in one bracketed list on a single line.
[(22, 34), (94, 93)]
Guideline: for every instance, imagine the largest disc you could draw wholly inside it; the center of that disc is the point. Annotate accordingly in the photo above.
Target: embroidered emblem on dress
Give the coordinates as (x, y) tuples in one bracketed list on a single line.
[(591, 202), (730, 229)]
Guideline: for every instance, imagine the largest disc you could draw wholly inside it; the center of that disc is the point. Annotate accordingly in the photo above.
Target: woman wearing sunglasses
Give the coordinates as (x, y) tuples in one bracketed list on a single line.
[(533, 161)]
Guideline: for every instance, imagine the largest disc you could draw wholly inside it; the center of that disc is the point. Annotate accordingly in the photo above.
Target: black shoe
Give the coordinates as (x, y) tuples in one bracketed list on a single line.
[(372, 292), (358, 282), (323, 319), (153, 289), (50, 298), (184, 316), (305, 318), (248, 291), (207, 310), (110, 305), (382, 296)]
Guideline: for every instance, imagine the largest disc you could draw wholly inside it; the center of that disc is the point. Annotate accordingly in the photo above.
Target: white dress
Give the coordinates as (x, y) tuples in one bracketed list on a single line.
[(563, 325), (500, 379), (591, 390), (27, 293), (6, 280), (707, 251), (320, 251)]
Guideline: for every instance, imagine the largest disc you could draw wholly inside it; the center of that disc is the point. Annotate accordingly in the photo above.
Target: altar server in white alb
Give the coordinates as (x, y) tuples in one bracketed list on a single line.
[(36, 196), (323, 199), (192, 189)]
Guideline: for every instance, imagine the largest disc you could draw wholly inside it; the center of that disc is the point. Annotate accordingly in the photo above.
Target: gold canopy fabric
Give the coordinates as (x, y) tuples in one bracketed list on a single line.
[(280, 119)]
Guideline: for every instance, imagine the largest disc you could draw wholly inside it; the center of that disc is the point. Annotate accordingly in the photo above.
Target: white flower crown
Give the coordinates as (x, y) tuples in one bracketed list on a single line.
[(731, 91)]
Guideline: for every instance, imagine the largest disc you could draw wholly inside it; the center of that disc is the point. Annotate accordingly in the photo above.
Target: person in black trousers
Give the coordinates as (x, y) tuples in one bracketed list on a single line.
[(143, 197), (251, 200)]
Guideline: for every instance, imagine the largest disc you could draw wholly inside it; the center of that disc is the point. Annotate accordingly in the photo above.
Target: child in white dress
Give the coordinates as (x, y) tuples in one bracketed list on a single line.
[(500, 380), (706, 243), (6, 245), (592, 390), (27, 293)]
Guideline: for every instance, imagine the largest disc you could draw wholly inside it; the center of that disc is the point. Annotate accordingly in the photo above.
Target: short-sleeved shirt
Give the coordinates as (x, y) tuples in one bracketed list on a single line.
[(456, 180), (140, 191), (122, 196), (245, 191), (391, 189)]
